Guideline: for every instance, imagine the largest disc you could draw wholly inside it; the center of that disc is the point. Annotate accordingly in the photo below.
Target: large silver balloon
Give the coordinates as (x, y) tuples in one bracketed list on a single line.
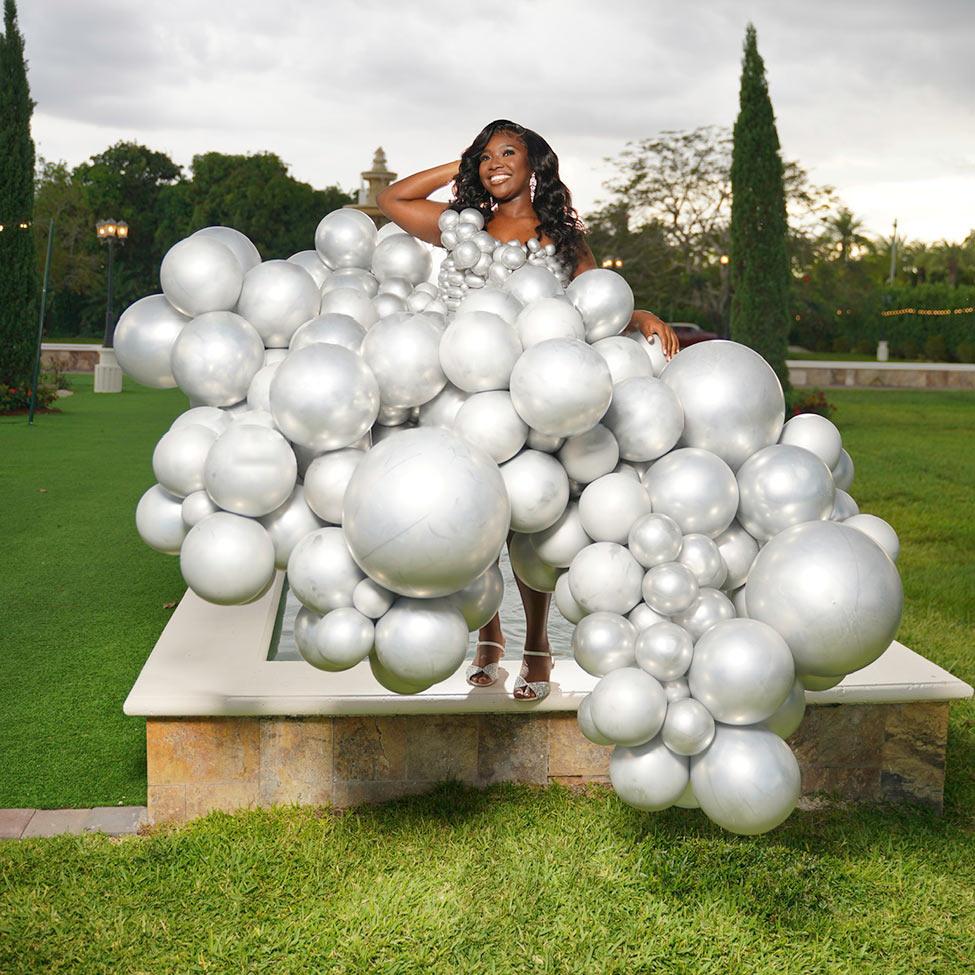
[(401, 256), (288, 524), (780, 486), (200, 274), (562, 541), (391, 681), (561, 387), (277, 297), (372, 599), (625, 358), (442, 410), (159, 521), (215, 357), (649, 776), (549, 318), (694, 487), (250, 470), (404, 356), (711, 606), (326, 479), (655, 538), (332, 329), (747, 780), (227, 559), (530, 283), (831, 592), (816, 434), (538, 490), (688, 728), (490, 420), (478, 351), (321, 571), (349, 301), (324, 397), (529, 567), (240, 245), (738, 550), (605, 577), (628, 706), (604, 300), (480, 601), (312, 263), (564, 601), (701, 555), (732, 399), (664, 650), (669, 588), (843, 472), (421, 641), (337, 641), (346, 238), (645, 417), (611, 506), (491, 300), (144, 338), (742, 671), (786, 720), (178, 458), (603, 642), (589, 455), (426, 512), (879, 530)]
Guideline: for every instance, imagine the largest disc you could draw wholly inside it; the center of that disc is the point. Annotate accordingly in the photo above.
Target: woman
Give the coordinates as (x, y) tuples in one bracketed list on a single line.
[(511, 175)]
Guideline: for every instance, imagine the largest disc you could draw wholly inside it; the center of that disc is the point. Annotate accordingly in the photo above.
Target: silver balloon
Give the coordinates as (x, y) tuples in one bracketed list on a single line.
[(562, 541), (196, 507), (813, 683), (259, 418), (664, 650), (349, 301), (312, 263), (372, 599), (426, 513), (669, 588), (421, 641), (650, 776), (604, 300), (694, 487), (816, 434), (561, 387), (209, 416), (538, 490), (831, 592), (653, 350), (688, 728), (240, 245), (144, 339), (480, 601), (738, 550), (277, 297), (494, 301), (401, 256), (549, 318), (178, 458), (528, 566), (645, 417), (404, 356), (321, 571), (288, 524), (738, 599), (391, 681), (250, 470), (215, 357), (394, 416), (355, 279), (732, 399), (628, 706), (490, 420), (655, 538), (478, 351), (326, 480), (844, 507), (564, 601), (382, 432), (227, 559), (710, 607), (588, 456), (605, 577), (747, 781), (603, 642), (588, 729), (259, 391), (324, 397), (274, 356), (611, 506), (742, 671), (337, 641), (781, 486), (843, 472), (346, 238), (879, 530), (625, 358), (544, 442), (643, 617), (332, 329), (786, 720), (388, 304), (442, 410), (199, 275), (159, 522), (701, 555), (530, 283), (676, 689)]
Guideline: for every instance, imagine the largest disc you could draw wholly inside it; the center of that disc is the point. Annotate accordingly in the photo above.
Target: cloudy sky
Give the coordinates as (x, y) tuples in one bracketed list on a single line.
[(875, 98)]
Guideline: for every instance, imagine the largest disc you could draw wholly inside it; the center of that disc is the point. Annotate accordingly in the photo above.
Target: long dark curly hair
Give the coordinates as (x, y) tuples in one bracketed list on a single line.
[(557, 218)]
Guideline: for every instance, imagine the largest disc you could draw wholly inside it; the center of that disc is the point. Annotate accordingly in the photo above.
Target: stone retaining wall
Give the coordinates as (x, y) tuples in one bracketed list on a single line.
[(880, 375)]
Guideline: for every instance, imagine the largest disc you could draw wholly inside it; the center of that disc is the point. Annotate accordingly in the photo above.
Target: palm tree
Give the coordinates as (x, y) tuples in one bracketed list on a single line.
[(844, 231)]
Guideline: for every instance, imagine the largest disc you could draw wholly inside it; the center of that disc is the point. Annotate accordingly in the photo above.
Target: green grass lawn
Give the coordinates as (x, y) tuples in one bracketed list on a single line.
[(511, 879)]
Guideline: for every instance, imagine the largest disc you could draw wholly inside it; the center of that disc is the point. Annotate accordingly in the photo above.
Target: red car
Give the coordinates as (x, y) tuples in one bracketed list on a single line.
[(690, 334)]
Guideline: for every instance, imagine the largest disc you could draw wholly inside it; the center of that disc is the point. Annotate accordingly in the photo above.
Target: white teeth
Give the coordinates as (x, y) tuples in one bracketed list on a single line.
[(498, 179)]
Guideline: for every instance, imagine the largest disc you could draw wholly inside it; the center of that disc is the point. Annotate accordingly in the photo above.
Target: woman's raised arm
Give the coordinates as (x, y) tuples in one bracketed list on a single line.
[(405, 201)]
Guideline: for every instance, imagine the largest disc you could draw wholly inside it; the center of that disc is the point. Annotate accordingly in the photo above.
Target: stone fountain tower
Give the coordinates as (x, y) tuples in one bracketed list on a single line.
[(374, 181)]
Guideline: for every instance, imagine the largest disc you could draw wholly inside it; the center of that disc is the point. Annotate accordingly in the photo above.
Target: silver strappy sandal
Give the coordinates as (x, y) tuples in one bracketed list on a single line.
[(488, 670), (540, 688)]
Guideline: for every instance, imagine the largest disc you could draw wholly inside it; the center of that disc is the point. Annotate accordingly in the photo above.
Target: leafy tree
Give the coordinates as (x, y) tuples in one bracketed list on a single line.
[(759, 256), (18, 271), (844, 231)]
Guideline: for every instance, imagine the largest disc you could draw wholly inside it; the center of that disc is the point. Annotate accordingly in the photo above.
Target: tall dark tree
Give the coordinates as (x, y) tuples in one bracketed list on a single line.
[(759, 230), (18, 271)]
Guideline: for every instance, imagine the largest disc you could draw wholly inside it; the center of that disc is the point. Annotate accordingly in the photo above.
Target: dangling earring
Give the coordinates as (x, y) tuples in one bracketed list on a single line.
[(532, 183)]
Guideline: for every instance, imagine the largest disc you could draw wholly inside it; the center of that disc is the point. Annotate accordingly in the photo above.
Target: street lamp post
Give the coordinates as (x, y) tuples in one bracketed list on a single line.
[(108, 374)]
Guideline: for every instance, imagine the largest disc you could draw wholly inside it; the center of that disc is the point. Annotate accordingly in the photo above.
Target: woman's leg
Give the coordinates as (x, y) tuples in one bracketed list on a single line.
[(490, 633), (536, 626)]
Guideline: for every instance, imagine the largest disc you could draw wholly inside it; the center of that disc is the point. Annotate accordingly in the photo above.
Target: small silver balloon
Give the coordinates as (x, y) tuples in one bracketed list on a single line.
[(250, 470), (676, 689), (650, 776), (199, 275), (196, 507), (528, 566), (421, 641), (312, 263), (611, 506), (703, 557), (288, 524), (588, 456), (326, 480), (645, 417), (240, 245), (349, 301), (321, 571), (879, 530), (669, 588), (480, 601), (372, 599), (564, 601), (346, 238), (442, 410), (710, 607), (664, 650), (605, 577), (694, 487), (786, 720), (603, 642), (628, 706), (209, 416), (277, 297), (688, 728), (337, 641), (844, 507), (259, 391), (843, 472), (655, 538), (625, 358), (404, 356), (643, 617), (588, 729), (490, 420), (332, 329), (549, 318), (738, 550), (816, 434), (604, 300), (478, 351), (494, 301), (530, 283), (538, 490), (144, 339), (401, 256), (159, 521), (562, 541), (544, 442), (178, 458)]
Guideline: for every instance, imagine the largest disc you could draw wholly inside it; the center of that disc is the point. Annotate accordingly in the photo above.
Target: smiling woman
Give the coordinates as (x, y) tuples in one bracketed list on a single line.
[(510, 174)]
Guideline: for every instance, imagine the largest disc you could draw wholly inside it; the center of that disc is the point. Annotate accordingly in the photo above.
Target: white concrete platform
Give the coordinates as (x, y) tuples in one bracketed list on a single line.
[(213, 661)]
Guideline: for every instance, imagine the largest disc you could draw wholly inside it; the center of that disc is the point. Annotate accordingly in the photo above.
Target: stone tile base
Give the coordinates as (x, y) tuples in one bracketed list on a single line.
[(893, 752)]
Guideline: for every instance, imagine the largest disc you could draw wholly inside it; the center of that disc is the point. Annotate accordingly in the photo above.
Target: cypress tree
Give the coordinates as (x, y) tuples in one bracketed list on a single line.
[(18, 270), (759, 255)]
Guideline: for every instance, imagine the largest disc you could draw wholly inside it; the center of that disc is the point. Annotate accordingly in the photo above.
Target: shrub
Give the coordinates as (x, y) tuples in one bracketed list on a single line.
[(865, 347), (810, 401), (841, 344), (905, 349), (16, 399), (965, 351), (936, 348)]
